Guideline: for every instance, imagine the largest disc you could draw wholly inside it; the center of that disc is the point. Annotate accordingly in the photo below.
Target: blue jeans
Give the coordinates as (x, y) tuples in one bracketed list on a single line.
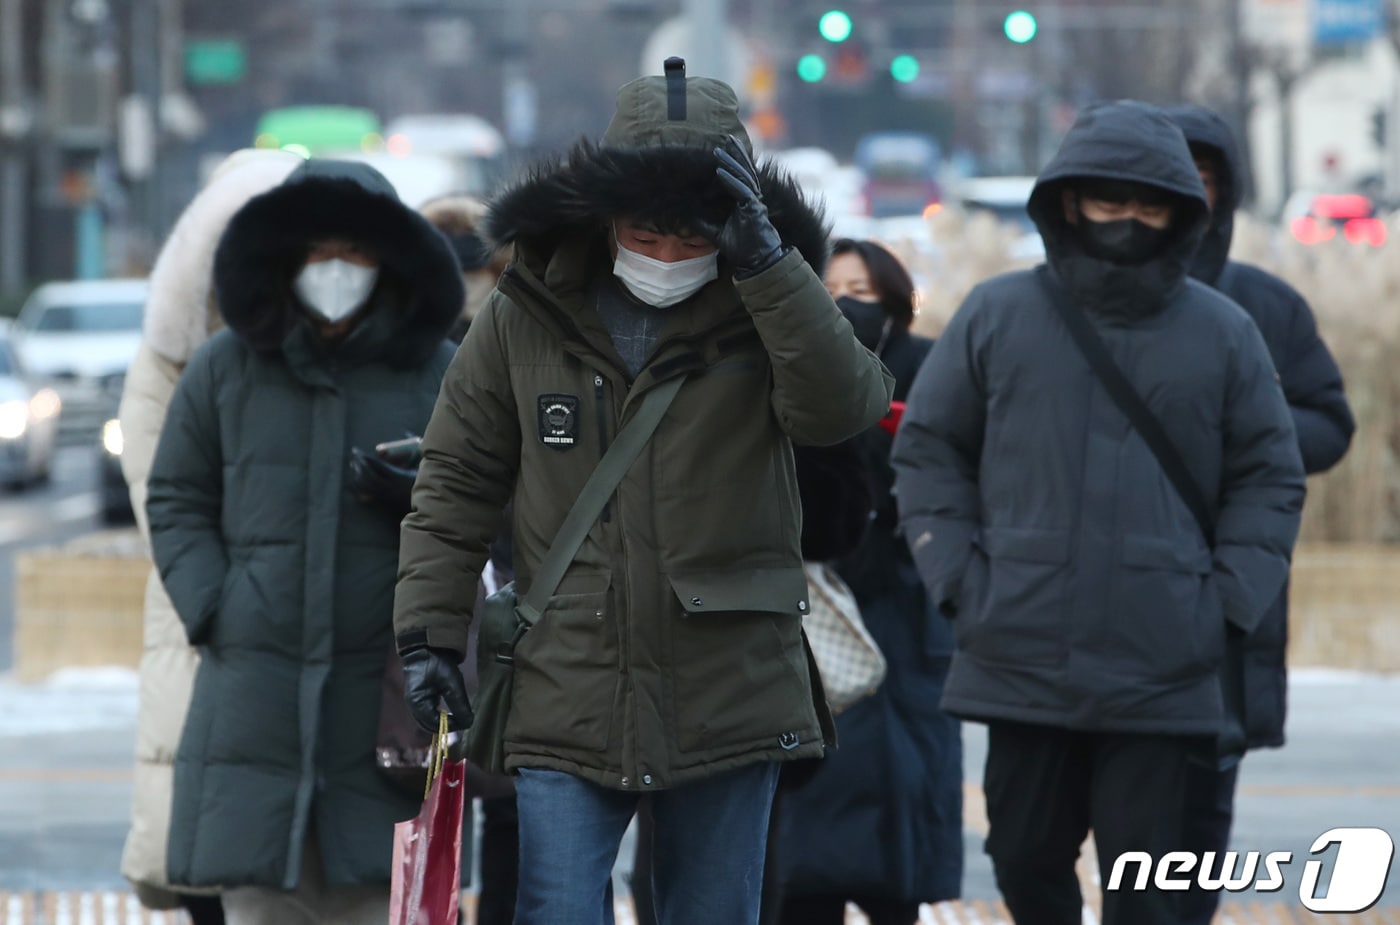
[(708, 847)]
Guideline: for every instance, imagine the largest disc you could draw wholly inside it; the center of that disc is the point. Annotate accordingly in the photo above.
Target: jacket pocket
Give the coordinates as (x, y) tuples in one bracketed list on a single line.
[(566, 669), (1166, 621), (737, 666), (1013, 597)]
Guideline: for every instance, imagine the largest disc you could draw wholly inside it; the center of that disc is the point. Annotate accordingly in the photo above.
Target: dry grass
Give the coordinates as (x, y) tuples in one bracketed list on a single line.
[(1354, 291)]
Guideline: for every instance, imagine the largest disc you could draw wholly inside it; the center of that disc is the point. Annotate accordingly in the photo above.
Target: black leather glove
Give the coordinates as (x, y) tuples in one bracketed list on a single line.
[(747, 239), (375, 480), (430, 676)]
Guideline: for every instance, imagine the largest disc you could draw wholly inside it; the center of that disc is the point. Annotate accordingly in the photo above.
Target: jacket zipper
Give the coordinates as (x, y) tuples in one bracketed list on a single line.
[(601, 406)]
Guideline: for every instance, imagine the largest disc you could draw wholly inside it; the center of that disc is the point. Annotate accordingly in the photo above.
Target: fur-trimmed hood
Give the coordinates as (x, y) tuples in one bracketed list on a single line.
[(670, 186), (179, 316), (419, 294), (656, 161)]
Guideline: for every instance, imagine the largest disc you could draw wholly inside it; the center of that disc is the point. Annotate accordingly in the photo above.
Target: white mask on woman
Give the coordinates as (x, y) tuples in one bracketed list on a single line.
[(334, 288), (661, 284)]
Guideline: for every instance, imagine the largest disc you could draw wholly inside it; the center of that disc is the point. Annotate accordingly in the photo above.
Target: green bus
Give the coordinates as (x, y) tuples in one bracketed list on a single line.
[(318, 130)]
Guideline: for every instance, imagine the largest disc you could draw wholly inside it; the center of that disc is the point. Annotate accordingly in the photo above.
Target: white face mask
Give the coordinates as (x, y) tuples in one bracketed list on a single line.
[(335, 288), (661, 284)]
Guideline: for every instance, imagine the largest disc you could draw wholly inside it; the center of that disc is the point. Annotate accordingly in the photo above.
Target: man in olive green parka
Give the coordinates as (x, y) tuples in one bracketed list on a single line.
[(670, 660)]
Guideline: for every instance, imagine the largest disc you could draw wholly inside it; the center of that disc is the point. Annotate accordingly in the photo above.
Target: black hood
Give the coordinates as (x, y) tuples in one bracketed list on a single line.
[(671, 185), (419, 294), (1132, 142), (1208, 134)]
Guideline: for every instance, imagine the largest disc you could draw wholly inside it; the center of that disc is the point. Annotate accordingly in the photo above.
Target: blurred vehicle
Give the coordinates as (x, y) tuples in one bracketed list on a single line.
[(111, 484), (28, 421), (901, 173), (475, 147), (1004, 198), (420, 177), (319, 130), (78, 338), (1313, 218)]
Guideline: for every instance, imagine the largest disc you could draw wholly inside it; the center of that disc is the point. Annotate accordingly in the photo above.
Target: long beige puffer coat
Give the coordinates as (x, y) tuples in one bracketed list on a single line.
[(179, 317)]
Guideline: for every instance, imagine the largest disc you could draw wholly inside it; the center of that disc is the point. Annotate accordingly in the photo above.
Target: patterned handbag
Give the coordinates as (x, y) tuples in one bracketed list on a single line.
[(850, 662)]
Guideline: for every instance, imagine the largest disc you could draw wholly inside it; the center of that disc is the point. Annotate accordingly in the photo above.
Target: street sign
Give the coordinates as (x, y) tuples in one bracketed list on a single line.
[(210, 62), (1345, 22)]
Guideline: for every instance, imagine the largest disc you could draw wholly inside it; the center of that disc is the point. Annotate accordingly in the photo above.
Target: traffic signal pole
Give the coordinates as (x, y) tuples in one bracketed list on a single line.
[(14, 129)]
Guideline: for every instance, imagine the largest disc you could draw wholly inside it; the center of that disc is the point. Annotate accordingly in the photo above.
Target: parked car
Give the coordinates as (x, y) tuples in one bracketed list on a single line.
[(78, 338), (111, 483), (29, 416), (1313, 218)]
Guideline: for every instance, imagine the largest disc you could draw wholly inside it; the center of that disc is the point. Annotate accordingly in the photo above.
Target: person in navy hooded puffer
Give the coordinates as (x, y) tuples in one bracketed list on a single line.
[(1089, 609), (1312, 384)]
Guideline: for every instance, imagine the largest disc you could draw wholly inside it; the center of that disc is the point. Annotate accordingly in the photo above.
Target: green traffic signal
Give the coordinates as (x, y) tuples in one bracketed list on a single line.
[(835, 26), (904, 68), (811, 68), (1020, 27)]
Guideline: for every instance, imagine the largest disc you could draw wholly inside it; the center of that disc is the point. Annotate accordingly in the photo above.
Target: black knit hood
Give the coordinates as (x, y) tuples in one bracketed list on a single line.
[(655, 162), (419, 294)]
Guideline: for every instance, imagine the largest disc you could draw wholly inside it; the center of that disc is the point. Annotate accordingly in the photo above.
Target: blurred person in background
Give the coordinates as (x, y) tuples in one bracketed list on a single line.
[(880, 823), (338, 299), (1313, 386), (671, 661), (180, 315), (460, 218), (1090, 607)]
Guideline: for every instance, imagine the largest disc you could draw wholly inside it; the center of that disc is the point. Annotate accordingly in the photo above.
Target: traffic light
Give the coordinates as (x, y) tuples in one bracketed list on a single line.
[(904, 68), (811, 68), (1020, 27), (835, 26)]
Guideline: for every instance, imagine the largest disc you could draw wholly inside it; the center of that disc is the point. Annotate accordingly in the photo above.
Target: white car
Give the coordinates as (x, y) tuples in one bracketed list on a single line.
[(28, 421), (79, 338)]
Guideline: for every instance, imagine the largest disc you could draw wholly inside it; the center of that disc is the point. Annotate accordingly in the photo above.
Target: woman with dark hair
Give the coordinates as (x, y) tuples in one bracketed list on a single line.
[(880, 822)]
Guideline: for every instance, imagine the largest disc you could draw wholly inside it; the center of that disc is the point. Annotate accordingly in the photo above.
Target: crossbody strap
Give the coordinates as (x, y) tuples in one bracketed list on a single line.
[(1131, 404), (594, 495)]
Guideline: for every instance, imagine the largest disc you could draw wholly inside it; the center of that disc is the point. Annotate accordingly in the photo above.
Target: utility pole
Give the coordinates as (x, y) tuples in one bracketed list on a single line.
[(14, 131)]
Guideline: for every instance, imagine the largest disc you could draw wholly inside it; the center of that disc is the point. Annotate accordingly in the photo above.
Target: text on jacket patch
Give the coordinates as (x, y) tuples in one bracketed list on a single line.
[(558, 420)]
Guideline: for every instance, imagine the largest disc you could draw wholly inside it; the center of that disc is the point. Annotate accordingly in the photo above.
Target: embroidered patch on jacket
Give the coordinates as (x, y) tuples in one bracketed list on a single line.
[(558, 417)]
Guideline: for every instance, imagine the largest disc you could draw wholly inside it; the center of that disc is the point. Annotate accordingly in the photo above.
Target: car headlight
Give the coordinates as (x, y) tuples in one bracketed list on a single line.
[(112, 437), (45, 404), (14, 419)]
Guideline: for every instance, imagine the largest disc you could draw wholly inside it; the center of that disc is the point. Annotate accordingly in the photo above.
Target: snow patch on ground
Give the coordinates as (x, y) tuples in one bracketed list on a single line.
[(70, 700)]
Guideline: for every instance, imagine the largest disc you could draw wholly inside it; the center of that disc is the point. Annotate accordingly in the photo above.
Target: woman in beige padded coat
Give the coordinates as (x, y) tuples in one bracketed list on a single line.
[(180, 315)]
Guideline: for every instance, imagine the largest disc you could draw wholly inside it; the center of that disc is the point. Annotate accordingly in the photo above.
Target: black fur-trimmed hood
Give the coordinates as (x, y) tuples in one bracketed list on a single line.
[(419, 295), (670, 185), (656, 162)]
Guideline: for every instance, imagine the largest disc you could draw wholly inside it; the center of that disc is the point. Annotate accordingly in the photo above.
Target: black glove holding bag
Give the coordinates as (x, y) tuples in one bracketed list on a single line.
[(747, 239), (430, 676)]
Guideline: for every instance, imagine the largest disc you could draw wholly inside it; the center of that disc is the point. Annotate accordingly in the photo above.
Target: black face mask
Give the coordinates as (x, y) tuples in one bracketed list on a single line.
[(1127, 242), (867, 318)]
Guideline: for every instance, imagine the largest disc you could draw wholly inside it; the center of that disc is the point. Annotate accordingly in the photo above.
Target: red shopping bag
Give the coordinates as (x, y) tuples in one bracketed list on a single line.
[(428, 850)]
